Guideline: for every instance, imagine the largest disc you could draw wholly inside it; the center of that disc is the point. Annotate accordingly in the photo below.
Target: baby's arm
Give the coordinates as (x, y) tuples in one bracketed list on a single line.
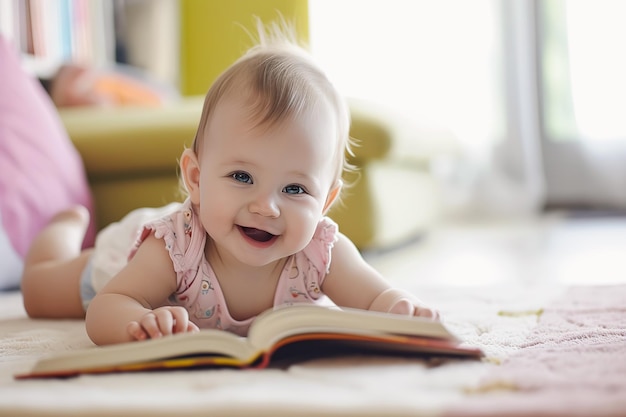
[(132, 306), (352, 282)]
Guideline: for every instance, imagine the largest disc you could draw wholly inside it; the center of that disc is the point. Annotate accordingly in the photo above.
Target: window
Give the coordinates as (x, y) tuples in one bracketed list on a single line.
[(432, 61), (534, 90), (583, 69)]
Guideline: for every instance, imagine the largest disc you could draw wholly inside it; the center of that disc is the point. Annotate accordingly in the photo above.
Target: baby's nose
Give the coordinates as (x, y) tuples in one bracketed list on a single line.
[(265, 204)]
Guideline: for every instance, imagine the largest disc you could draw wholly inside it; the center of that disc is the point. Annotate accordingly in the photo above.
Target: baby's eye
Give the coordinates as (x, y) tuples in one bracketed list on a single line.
[(241, 176), (294, 189)]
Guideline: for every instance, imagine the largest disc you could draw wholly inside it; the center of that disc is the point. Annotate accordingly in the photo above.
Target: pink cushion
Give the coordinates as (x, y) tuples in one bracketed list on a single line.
[(41, 172)]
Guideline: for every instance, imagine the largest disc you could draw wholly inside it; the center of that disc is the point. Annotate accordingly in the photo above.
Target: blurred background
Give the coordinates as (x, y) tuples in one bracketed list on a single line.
[(534, 91), (527, 95)]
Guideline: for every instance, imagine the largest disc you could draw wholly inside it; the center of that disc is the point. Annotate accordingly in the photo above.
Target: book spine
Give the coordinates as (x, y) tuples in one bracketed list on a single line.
[(65, 29), (49, 33)]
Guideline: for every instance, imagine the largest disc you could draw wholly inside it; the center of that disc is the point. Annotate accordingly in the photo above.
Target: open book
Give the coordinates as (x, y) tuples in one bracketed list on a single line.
[(283, 335)]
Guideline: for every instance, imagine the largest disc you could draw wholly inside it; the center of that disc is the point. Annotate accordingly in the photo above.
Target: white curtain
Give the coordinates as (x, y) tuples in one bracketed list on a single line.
[(453, 64), (583, 101)]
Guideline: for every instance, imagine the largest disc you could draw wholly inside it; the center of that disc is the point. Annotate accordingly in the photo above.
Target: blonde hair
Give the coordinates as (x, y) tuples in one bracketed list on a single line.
[(279, 80)]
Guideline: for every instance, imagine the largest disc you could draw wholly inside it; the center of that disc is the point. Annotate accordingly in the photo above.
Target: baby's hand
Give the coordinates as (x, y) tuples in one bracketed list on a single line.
[(160, 322), (406, 307), (398, 301)]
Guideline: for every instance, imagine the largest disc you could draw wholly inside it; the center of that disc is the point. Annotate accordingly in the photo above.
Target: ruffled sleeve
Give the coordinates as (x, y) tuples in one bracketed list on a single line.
[(320, 249), (318, 253), (183, 238)]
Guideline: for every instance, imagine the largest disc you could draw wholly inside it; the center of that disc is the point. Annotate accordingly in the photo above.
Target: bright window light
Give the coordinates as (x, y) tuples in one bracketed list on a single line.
[(596, 33), (432, 61)]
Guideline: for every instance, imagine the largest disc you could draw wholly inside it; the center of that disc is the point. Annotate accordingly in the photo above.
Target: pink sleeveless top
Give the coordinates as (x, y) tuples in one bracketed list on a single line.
[(198, 289)]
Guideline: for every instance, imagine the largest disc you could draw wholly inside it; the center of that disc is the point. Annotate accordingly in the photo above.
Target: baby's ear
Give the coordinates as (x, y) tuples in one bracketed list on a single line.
[(333, 195), (190, 170)]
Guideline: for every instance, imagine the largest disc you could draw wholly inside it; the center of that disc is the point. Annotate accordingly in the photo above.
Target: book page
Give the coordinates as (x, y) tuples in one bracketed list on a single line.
[(203, 343), (274, 325)]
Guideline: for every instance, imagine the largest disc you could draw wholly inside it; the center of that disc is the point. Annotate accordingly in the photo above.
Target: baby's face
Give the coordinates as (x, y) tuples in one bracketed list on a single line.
[(263, 190)]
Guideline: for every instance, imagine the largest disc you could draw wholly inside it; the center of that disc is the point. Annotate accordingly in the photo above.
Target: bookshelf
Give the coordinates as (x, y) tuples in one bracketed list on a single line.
[(50, 32), (182, 43)]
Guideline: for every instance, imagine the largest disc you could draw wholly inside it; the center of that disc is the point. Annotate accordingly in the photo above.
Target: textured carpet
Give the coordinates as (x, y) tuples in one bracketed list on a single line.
[(543, 357), (573, 363)]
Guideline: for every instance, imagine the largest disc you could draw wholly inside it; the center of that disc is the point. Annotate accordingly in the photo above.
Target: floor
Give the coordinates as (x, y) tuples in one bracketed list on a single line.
[(555, 248)]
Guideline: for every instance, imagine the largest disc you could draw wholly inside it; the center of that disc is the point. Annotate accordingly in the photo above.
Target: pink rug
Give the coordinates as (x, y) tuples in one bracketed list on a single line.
[(572, 364)]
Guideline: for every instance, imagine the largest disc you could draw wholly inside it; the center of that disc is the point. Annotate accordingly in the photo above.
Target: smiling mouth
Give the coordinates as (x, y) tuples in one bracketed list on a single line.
[(257, 234)]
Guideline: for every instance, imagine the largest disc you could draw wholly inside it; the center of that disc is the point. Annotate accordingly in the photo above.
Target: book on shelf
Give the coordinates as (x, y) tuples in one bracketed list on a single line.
[(94, 33), (49, 33), (276, 338)]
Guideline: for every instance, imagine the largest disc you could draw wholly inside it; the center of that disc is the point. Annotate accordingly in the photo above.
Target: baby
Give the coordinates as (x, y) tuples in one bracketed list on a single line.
[(265, 166)]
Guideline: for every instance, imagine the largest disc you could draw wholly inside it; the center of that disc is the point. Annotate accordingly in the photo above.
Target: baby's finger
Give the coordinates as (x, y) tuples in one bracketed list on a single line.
[(403, 306), (164, 320), (181, 319), (135, 331), (427, 313), (183, 324), (150, 325), (191, 327)]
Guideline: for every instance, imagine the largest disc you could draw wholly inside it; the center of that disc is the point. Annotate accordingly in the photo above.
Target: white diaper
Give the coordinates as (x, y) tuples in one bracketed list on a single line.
[(115, 242)]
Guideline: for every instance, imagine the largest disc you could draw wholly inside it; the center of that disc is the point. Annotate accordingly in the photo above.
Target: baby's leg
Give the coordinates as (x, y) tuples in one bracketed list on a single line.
[(53, 267)]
